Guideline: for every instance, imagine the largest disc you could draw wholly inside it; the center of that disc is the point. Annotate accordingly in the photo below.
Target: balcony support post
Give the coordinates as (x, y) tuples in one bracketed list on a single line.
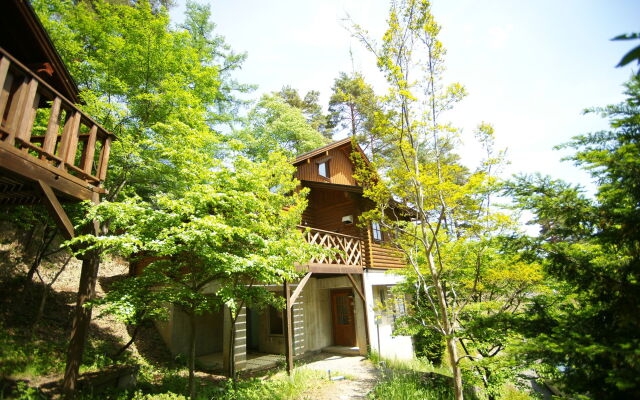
[(360, 291), (301, 284), (56, 211), (289, 328)]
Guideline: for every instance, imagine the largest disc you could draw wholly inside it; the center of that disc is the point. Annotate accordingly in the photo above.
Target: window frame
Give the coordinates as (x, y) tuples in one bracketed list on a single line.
[(327, 174)]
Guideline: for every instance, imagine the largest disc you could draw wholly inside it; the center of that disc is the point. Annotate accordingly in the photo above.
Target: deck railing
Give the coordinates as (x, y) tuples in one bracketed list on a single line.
[(37, 119), (350, 247)]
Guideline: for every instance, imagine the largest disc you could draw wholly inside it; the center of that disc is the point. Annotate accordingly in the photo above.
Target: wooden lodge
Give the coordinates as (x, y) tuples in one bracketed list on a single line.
[(51, 152), (335, 204), (334, 307)]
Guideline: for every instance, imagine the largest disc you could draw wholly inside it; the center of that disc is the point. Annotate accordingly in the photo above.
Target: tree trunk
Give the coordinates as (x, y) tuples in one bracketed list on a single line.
[(457, 374), (129, 343), (444, 320), (81, 321), (192, 357)]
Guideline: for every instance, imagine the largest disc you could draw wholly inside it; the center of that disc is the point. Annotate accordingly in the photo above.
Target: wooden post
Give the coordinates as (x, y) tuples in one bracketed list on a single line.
[(89, 150), (360, 292), (16, 108), (104, 159), (25, 122), (289, 326), (6, 81), (82, 317), (51, 137), (71, 149)]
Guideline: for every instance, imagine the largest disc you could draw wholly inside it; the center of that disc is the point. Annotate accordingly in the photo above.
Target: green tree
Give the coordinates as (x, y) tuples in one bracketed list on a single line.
[(633, 54), (586, 330), (274, 125), (428, 191), (216, 244), (309, 106), (160, 89), (438, 212), (352, 107)]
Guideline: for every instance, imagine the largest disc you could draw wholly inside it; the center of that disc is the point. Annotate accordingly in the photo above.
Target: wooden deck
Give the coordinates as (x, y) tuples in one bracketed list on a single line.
[(354, 253), (46, 138)]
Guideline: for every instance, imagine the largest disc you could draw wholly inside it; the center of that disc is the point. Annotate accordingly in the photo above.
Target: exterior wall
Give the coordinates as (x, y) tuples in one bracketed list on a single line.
[(380, 324), (340, 167), (176, 331), (327, 207), (275, 344), (318, 323), (240, 343)]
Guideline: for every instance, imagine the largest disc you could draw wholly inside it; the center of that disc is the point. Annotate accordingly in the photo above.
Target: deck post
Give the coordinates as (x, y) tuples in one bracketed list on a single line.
[(289, 326), (82, 317), (360, 291)]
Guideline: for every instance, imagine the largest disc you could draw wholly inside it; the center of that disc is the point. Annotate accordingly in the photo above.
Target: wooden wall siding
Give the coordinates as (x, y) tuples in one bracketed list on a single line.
[(379, 256), (325, 211), (385, 257), (340, 168), (329, 206)]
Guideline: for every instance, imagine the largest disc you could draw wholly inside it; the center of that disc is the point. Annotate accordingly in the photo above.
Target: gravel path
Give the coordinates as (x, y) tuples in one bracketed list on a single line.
[(361, 376)]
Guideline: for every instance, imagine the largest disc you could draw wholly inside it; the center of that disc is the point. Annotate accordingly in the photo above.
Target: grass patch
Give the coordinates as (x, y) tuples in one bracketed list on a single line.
[(24, 357), (401, 386), (413, 379), (171, 385)]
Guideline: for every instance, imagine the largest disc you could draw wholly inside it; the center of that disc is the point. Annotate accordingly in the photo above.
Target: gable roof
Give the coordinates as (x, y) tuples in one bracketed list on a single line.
[(340, 143), (24, 37)]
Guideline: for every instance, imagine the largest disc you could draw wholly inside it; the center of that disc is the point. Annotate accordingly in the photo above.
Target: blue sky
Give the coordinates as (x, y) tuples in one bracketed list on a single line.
[(530, 67)]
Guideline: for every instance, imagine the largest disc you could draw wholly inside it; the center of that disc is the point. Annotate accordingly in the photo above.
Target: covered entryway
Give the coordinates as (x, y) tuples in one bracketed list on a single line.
[(344, 327)]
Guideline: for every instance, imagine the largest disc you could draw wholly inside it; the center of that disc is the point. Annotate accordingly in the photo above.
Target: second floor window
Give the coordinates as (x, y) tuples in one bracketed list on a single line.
[(375, 230), (323, 169)]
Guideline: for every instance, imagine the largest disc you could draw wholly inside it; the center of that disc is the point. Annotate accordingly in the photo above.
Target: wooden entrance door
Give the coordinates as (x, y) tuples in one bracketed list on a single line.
[(344, 327)]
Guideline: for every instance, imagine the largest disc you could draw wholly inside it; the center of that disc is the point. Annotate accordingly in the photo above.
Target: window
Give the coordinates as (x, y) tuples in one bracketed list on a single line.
[(375, 230), (276, 321), (323, 169)]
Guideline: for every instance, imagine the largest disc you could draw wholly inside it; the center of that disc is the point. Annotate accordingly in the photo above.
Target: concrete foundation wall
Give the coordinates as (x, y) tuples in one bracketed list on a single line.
[(177, 329), (318, 325), (312, 325)]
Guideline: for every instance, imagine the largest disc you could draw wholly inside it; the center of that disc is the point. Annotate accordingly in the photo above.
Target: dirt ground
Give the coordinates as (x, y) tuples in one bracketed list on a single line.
[(360, 376)]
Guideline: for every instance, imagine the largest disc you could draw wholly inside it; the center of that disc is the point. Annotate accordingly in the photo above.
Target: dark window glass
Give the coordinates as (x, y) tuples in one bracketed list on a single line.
[(377, 233), (276, 321)]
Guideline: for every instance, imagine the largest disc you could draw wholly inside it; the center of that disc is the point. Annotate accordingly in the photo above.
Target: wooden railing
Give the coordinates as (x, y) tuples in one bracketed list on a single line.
[(350, 247), (37, 119)]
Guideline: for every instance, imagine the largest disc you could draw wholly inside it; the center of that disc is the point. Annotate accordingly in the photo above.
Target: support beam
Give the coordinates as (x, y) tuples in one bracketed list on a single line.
[(56, 211), (289, 328), (357, 289), (360, 292), (296, 293)]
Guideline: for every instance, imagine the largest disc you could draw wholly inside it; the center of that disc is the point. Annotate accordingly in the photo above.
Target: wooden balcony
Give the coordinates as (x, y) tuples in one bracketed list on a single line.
[(45, 137), (348, 259)]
